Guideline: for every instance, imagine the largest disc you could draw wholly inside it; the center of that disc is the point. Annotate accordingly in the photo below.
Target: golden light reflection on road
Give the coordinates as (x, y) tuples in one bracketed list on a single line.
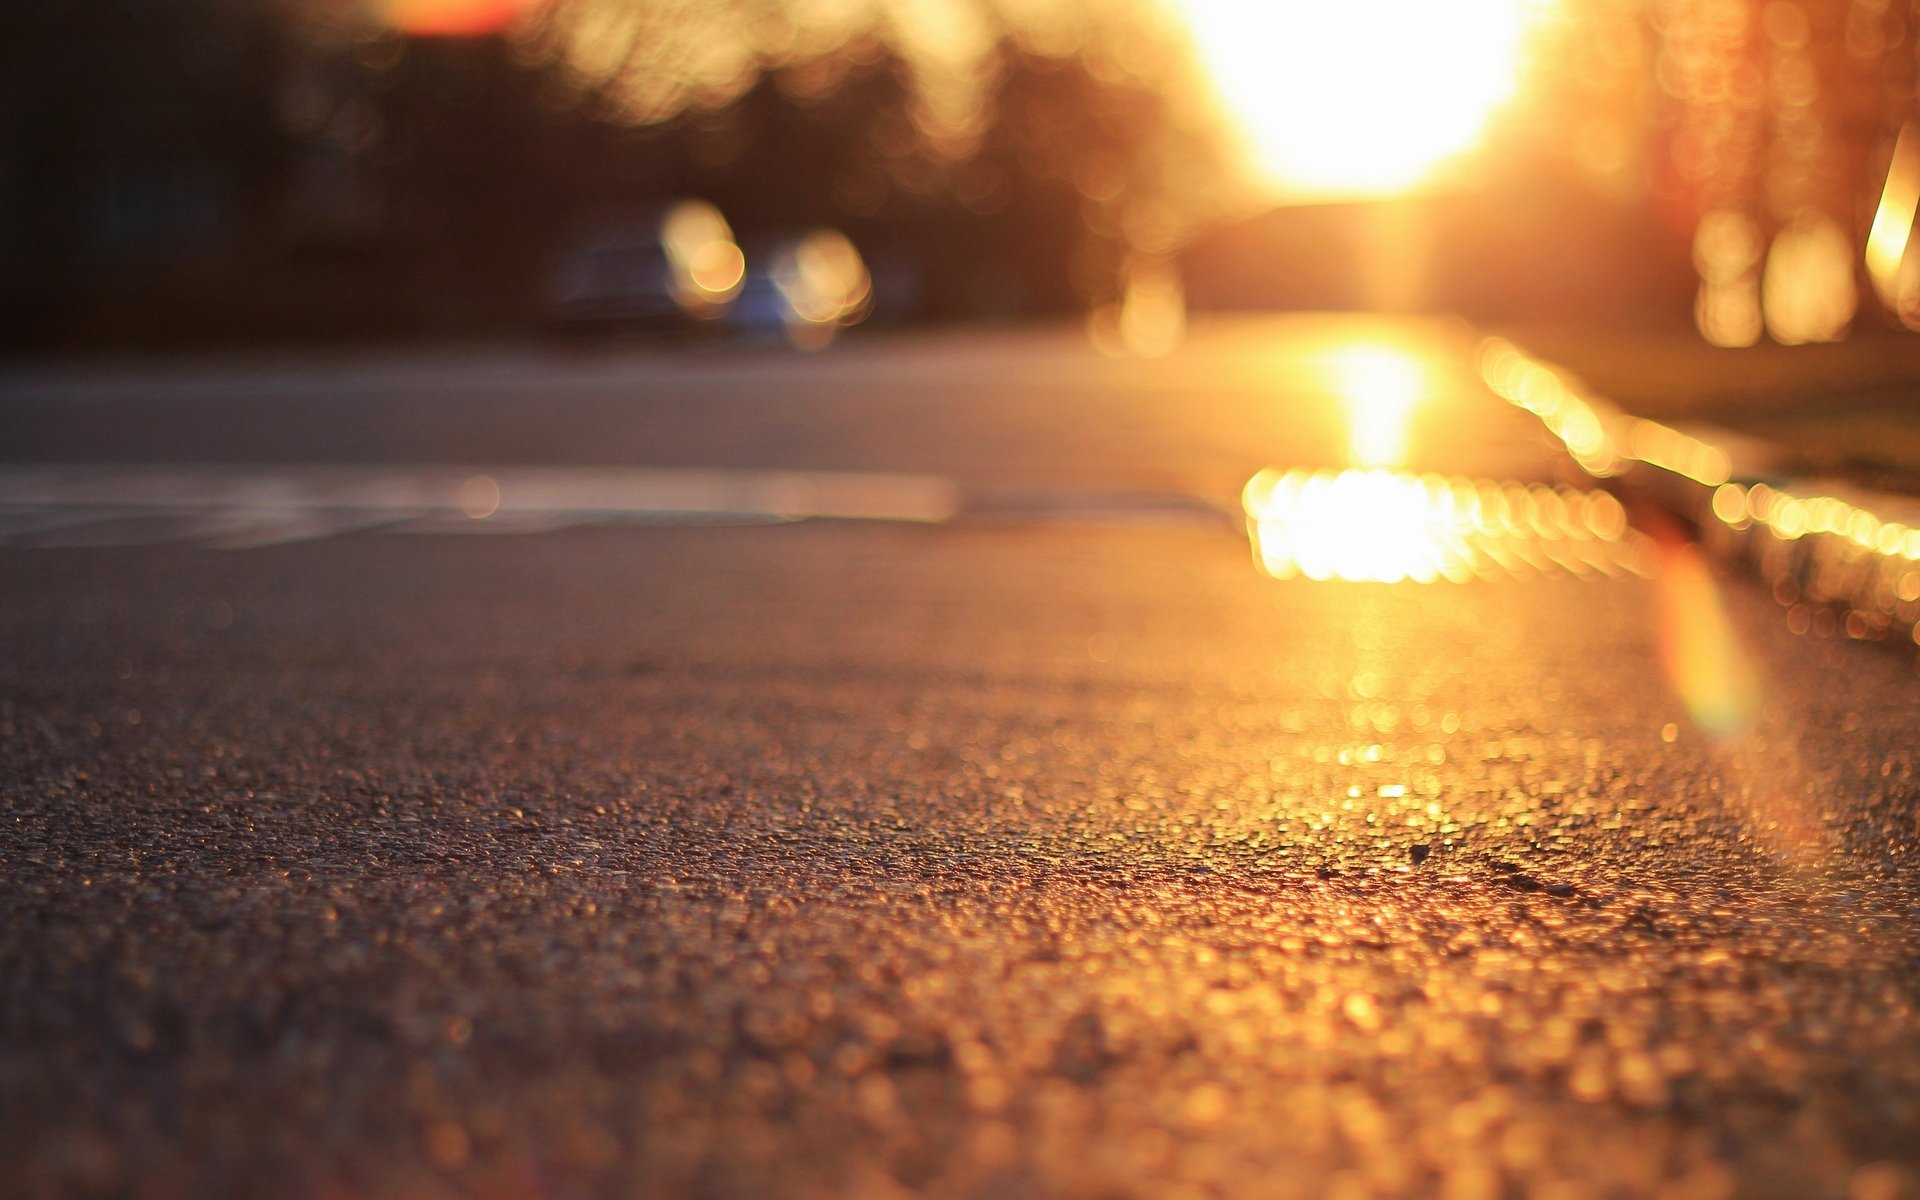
[(1379, 526), (1365, 98), (1380, 387)]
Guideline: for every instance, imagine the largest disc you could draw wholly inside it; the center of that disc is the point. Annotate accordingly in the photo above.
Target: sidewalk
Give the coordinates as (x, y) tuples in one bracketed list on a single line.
[(1801, 463), (1844, 409)]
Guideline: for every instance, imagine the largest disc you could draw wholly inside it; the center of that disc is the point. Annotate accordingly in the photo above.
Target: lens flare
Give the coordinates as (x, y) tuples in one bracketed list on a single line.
[(1698, 646)]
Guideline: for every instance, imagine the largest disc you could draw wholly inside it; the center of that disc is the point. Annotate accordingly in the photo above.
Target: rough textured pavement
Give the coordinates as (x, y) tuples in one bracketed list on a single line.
[(882, 861)]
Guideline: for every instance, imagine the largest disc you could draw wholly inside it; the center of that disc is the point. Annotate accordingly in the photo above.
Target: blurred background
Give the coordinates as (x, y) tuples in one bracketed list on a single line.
[(232, 172)]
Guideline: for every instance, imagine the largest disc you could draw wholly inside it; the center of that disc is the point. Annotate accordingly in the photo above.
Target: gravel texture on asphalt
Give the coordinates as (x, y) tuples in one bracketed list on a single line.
[(850, 861)]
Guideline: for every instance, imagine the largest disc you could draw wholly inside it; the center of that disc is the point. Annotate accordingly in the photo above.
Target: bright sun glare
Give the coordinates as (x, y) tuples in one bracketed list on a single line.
[(1360, 97), (1380, 386)]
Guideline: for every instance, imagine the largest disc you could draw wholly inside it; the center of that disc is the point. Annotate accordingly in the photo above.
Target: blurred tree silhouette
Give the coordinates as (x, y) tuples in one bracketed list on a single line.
[(121, 125), (248, 169)]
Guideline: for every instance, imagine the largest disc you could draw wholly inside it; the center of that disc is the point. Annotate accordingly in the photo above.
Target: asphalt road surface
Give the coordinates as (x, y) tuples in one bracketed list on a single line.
[(1036, 845)]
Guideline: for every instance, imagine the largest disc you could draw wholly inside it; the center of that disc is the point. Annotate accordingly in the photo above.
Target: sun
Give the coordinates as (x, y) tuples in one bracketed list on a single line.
[(1359, 98)]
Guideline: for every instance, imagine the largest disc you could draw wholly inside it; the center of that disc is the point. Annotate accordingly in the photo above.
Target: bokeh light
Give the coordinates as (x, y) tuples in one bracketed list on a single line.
[(1807, 291), (1888, 256), (1727, 248), (1840, 559), (807, 289), (1580, 422), (1380, 526), (706, 266)]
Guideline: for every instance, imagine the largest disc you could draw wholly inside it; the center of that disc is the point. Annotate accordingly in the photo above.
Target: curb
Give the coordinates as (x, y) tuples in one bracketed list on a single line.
[(1843, 560)]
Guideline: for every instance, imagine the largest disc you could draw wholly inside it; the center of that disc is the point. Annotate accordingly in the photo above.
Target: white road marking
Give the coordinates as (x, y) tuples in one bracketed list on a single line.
[(238, 506)]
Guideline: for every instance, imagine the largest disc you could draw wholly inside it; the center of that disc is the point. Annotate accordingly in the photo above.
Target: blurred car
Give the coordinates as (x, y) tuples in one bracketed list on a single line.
[(671, 271), (803, 289)]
